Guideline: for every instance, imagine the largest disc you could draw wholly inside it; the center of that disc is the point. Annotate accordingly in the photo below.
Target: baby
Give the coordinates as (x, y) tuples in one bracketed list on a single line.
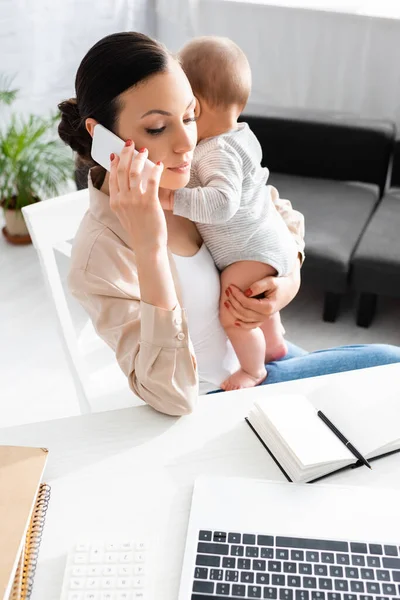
[(228, 200)]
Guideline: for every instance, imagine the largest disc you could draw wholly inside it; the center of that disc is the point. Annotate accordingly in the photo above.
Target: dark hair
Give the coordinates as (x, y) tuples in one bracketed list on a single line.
[(112, 66)]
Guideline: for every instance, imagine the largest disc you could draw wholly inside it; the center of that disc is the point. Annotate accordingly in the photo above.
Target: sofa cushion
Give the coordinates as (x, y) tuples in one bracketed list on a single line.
[(376, 262), (335, 214)]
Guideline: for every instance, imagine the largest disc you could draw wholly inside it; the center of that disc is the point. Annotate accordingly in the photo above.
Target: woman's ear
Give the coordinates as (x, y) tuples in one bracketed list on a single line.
[(90, 124), (197, 108)]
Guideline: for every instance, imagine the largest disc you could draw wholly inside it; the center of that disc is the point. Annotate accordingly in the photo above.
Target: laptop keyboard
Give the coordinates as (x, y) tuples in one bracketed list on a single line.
[(243, 565)]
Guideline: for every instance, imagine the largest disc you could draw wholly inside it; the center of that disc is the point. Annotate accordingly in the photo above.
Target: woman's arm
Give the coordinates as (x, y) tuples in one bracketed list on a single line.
[(151, 343)]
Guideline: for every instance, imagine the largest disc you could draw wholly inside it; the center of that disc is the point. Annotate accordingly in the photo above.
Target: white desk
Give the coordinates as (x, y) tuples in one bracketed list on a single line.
[(115, 473)]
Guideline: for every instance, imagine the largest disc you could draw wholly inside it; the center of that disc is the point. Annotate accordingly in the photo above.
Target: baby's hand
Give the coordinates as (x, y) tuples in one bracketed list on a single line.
[(166, 198)]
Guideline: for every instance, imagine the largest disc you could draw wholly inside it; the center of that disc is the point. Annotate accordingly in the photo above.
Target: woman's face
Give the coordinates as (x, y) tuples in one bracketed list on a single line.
[(158, 114)]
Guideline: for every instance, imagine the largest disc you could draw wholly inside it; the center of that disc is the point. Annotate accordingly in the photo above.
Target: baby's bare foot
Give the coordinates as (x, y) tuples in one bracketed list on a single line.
[(276, 351), (241, 379)]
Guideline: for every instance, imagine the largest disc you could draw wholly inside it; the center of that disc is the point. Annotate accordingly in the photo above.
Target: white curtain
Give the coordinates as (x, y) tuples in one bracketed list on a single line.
[(177, 21), (43, 41)]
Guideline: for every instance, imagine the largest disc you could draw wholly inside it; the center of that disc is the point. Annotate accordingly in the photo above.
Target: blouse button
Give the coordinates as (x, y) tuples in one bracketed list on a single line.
[(181, 336), (178, 321)]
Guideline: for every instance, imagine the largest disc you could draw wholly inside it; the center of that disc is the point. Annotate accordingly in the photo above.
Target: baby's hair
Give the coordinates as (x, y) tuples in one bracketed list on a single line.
[(218, 71)]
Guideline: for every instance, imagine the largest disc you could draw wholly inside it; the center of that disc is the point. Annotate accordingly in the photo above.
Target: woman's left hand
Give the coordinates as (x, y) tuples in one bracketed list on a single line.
[(278, 292)]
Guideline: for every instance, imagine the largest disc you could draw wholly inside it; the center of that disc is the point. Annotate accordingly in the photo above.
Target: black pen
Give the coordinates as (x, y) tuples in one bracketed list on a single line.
[(342, 438)]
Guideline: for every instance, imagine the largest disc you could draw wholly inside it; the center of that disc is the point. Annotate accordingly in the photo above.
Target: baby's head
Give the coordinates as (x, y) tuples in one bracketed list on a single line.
[(219, 73)]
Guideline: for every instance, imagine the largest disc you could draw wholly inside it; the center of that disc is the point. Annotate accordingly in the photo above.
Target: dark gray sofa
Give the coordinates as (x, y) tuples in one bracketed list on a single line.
[(333, 168), (376, 261)]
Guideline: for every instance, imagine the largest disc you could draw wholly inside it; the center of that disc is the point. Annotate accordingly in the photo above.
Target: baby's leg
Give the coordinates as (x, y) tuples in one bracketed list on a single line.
[(276, 347), (249, 345)]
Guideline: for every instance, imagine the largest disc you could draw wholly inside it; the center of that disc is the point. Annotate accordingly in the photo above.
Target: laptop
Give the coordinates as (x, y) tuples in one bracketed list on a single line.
[(279, 541)]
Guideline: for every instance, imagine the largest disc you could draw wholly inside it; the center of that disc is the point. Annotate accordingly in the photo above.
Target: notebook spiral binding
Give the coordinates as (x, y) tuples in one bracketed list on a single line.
[(33, 539)]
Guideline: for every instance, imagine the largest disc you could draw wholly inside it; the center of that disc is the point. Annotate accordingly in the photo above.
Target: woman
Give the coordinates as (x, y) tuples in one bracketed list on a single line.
[(135, 266)]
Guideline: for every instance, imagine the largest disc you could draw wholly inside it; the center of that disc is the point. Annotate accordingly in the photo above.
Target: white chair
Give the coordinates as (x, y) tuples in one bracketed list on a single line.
[(52, 225)]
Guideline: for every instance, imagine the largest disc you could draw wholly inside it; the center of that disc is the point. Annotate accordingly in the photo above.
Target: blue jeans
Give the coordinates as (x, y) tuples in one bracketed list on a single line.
[(299, 364)]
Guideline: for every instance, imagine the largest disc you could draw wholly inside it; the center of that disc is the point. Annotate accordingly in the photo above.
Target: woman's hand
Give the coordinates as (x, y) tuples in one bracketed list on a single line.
[(139, 212), (278, 292)]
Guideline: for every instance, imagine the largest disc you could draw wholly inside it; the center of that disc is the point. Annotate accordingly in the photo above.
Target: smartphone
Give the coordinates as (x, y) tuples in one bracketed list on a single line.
[(105, 143)]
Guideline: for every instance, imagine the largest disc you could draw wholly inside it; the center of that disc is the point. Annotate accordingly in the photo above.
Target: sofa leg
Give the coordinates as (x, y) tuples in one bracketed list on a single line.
[(331, 307), (366, 309)]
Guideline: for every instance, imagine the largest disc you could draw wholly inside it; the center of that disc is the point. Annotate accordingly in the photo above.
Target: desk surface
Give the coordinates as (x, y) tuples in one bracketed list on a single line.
[(114, 474)]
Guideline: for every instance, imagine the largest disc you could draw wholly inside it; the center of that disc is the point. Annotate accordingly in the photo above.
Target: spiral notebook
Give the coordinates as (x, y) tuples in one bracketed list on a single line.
[(23, 504)]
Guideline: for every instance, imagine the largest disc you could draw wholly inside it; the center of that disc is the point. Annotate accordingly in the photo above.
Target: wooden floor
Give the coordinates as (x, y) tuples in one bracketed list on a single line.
[(35, 382)]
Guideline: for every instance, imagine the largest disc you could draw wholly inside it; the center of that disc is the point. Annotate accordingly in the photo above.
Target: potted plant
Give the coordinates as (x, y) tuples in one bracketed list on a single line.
[(34, 164)]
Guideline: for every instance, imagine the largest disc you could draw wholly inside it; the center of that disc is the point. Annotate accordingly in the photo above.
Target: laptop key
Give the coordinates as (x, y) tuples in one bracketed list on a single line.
[(285, 594), (349, 597), (205, 536), (244, 564), (358, 548), (305, 568), (373, 561), (343, 559), (201, 573), (375, 549), (383, 575), (289, 567), (271, 593), (205, 587), (311, 544), (278, 580), (234, 538), (396, 576), (237, 550), (390, 550), (297, 555), (352, 572), (325, 583), (208, 561), (249, 540), (341, 585), (206, 548), (282, 554), (364, 597), (391, 563), (327, 557), (335, 571), (259, 565), (265, 540), (216, 574), (389, 589), (223, 589), (254, 591), (357, 560), (312, 556), (318, 595), (267, 553), (302, 595), (334, 596), (239, 590), (262, 578), (220, 536), (275, 566), (247, 577), (294, 581), (252, 551), (320, 570), (373, 587), (232, 576), (357, 586), (229, 562), (309, 582), (367, 574)]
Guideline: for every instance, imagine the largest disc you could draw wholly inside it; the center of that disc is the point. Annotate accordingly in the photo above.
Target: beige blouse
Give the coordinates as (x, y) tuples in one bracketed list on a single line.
[(152, 345)]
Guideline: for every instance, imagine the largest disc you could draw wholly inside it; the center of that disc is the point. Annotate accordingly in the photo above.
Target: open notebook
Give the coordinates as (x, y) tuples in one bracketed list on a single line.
[(306, 449), (23, 501)]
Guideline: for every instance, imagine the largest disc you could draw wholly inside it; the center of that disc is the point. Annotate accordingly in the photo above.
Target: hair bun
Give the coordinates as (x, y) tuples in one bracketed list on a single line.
[(72, 131)]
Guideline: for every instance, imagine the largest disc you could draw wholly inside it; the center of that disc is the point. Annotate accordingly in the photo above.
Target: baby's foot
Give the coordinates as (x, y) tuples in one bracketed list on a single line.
[(275, 352), (241, 379)]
